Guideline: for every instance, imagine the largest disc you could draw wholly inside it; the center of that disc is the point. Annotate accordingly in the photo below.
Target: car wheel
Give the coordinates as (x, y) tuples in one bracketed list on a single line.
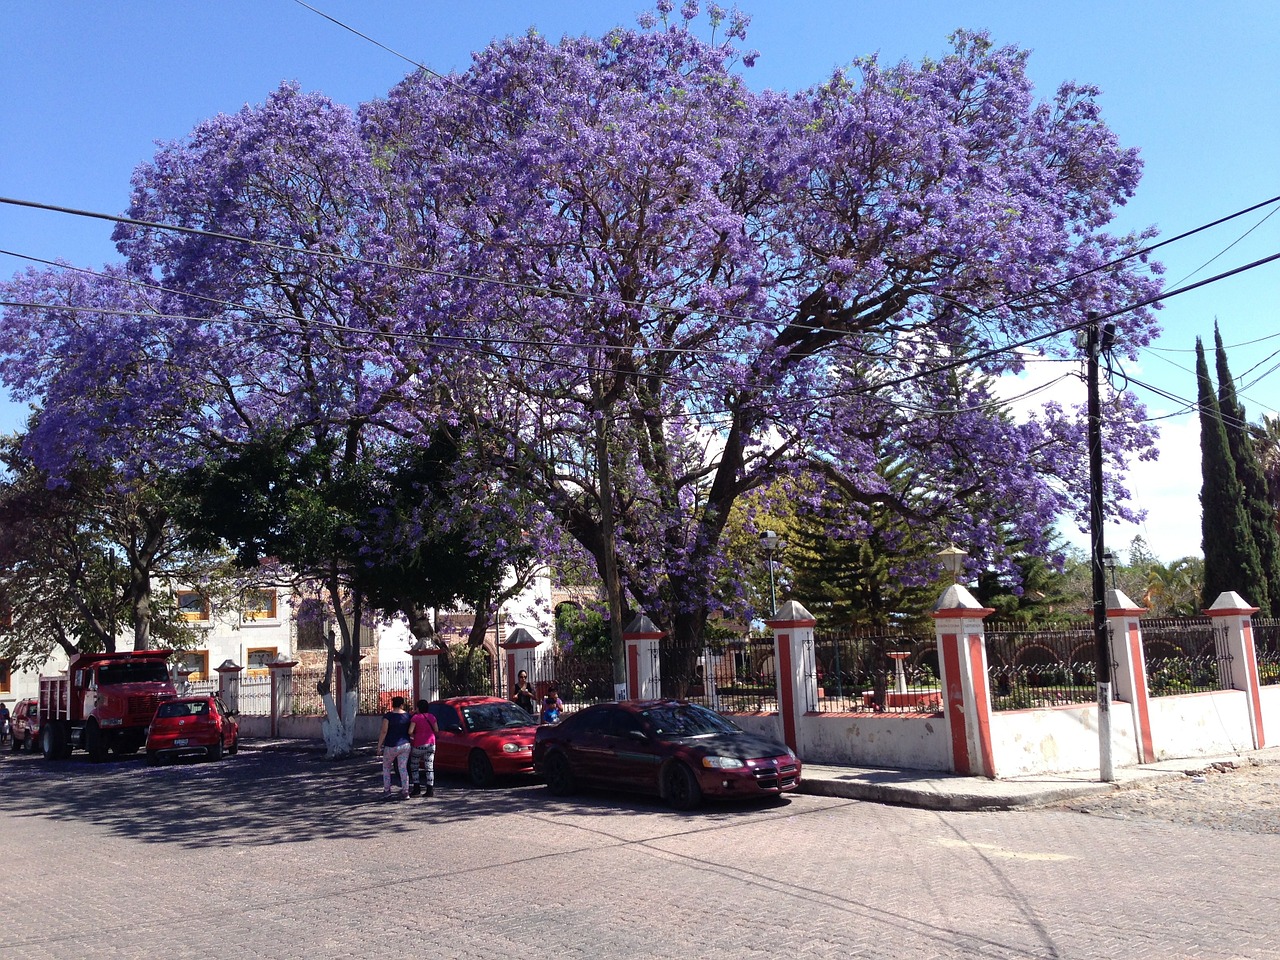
[(680, 787), (559, 776), (215, 752), (235, 746), (480, 769), (15, 745), (94, 742)]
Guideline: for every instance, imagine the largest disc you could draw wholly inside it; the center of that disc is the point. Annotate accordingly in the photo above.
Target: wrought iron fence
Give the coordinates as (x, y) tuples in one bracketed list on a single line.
[(581, 678), (1030, 666), (255, 696), (864, 670), (306, 695), (379, 684), (1266, 642), (737, 676), (1186, 655)]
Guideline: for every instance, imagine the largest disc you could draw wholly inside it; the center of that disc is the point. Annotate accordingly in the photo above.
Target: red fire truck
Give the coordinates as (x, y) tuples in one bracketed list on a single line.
[(103, 702)]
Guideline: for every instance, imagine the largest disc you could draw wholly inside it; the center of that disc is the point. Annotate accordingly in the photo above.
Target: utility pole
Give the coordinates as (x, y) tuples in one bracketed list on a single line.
[(1097, 343)]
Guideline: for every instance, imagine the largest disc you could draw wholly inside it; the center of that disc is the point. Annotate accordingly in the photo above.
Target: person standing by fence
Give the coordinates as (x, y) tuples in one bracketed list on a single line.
[(393, 746), (422, 753)]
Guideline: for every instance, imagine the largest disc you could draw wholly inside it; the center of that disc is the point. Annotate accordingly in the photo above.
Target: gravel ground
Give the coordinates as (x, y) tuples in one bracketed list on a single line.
[(1243, 797)]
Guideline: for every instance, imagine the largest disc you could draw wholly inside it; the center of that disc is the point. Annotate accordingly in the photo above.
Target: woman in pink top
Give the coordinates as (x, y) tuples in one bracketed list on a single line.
[(422, 753)]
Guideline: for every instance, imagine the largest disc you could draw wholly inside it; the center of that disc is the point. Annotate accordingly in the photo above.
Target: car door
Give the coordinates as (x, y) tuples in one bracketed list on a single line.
[(451, 742), (590, 756), (635, 756)]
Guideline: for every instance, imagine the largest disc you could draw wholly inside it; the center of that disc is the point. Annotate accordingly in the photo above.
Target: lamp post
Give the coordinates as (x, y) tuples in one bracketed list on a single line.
[(1109, 562), (771, 544), (953, 560)]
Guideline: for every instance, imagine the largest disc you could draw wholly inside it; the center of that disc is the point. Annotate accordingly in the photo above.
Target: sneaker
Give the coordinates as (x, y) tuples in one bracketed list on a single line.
[(429, 791), (417, 790), (404, 794)]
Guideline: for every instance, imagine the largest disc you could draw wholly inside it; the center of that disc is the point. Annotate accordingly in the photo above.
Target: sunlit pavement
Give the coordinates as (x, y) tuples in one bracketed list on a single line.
[(278, 853)]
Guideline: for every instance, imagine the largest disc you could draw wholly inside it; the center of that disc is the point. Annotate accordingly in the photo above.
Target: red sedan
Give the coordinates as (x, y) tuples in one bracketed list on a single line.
[(192, 726), (483, 737), (676, 750)]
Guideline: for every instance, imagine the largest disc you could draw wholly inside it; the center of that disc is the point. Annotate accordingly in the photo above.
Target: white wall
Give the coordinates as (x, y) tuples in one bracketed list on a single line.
[(1200, 724), (871, 740), (1270, 697), (1059, 739)]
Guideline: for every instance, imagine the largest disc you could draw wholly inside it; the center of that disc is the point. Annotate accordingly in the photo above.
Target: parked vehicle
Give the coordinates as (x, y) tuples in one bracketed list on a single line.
[(103, 702), (192, 726), (483, 737), (676, 750), (24, 726)]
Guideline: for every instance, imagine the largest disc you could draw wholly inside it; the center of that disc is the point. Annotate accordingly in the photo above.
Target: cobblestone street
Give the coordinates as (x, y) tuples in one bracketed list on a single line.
[(280, 855)]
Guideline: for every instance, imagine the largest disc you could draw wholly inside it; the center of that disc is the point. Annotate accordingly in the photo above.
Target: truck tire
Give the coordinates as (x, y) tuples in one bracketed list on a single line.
[(94, 742), (51, 740)]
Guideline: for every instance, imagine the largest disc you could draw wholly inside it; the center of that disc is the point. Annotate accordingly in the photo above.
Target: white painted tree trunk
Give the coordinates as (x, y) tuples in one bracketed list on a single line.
[(339, 733)]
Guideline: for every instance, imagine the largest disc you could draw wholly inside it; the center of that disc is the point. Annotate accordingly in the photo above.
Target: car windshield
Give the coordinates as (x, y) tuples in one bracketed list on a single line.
[(687, 720), (183, 708), (495, 716), (139, 671)]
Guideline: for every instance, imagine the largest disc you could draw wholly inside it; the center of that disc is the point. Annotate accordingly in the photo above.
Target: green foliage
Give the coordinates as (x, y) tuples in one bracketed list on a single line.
[(585, 632)]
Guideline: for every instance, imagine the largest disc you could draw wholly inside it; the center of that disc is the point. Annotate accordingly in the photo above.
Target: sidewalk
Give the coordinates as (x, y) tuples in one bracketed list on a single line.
[(932, 790)]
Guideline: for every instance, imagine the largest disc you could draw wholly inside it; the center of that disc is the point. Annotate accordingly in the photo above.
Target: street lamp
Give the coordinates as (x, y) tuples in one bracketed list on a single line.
[(1109, 563), (771, 544), (953, 559)]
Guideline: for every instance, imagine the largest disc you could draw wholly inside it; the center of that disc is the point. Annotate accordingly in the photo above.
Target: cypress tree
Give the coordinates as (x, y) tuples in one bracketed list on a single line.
[(1258, 507), (1230, 555)]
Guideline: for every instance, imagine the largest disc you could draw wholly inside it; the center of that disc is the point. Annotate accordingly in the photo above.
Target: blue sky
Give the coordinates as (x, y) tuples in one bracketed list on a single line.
[(86, 88)]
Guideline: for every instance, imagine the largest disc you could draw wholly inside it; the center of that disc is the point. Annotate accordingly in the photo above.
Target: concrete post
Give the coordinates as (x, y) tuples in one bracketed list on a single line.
[(426, 672), (709, 688), (1233, 611), (644, 674), (521, 649), (281, 670), (229, 684), (962, 654), (1129, 671), (797, 676)]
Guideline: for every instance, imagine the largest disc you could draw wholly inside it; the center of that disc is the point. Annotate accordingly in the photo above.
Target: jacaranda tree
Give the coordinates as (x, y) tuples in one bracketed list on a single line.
[(649, 288)]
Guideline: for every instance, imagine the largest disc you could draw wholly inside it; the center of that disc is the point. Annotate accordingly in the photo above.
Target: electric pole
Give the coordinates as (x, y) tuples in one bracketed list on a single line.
[(1097, 343)]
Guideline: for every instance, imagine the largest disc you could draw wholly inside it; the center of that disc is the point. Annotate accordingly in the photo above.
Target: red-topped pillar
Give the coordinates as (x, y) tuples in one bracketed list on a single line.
[(229, 684), (1129, 672), (962, 654), (281, 669), (426, 672), (797, 678), (644, 674), (1233, 612)]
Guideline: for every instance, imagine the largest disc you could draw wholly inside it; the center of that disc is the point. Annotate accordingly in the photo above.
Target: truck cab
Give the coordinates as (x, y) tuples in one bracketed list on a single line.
[(103, 702)]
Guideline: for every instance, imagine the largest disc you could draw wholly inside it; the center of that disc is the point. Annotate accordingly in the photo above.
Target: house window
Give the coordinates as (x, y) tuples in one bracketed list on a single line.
[(257, 659), (6, 674), (258, 605), (196, 662), (192, 605)]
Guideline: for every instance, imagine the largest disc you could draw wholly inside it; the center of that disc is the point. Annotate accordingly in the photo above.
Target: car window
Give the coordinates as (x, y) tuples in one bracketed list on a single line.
[(687, 720), (482, 717), (624, 723), (445, 715), (593, 720)]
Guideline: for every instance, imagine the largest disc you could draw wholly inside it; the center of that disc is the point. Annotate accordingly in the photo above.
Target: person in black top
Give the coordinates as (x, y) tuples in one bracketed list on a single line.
[(523, 695), (394, 745)]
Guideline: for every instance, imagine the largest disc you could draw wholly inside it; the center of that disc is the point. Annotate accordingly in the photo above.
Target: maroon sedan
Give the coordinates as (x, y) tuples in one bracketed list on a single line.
[(483, 737), (676, 750)]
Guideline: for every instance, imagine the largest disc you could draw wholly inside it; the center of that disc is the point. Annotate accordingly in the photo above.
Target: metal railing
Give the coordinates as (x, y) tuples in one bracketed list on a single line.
[(1266, 643), (1186, 655), (1030, 667), (864, 670), (737, 676)]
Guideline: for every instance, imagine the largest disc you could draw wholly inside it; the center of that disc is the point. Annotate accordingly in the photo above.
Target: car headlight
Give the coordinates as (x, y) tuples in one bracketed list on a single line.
[(792, 754), (722, 763), (515, 747)]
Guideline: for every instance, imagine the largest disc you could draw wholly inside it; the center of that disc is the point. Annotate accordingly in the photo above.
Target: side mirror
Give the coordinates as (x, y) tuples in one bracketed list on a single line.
[(637, 735)]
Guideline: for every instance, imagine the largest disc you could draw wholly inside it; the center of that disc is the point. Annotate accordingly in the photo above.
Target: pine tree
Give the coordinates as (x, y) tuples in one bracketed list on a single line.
[(1258, 505), (1230, 555)]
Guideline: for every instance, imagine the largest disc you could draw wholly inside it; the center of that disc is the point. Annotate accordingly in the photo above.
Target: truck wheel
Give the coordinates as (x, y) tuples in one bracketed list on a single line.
[(95, 742), (50, 741)]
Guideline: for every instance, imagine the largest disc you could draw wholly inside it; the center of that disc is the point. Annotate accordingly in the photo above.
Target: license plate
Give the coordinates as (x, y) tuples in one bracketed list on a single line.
[(180, 742)]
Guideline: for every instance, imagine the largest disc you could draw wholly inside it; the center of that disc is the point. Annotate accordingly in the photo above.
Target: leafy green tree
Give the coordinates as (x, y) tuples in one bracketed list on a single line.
[(1231, 560), (1259, 506)]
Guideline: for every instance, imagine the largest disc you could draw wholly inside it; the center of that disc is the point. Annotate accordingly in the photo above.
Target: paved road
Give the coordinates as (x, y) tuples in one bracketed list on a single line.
[(282, 855)]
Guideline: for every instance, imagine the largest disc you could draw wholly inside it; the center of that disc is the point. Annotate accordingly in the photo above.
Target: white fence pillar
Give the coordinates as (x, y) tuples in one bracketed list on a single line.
[(644, 674), (1234, 612), (426, 672), (797, 678), (229, 684), (281, 669), (1129, 675), (962, 655), (521, 650)]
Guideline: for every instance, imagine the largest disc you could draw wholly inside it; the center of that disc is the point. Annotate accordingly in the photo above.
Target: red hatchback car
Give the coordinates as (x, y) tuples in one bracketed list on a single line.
[(483, 737), (24, 726), (679, 751), (192, 726)]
